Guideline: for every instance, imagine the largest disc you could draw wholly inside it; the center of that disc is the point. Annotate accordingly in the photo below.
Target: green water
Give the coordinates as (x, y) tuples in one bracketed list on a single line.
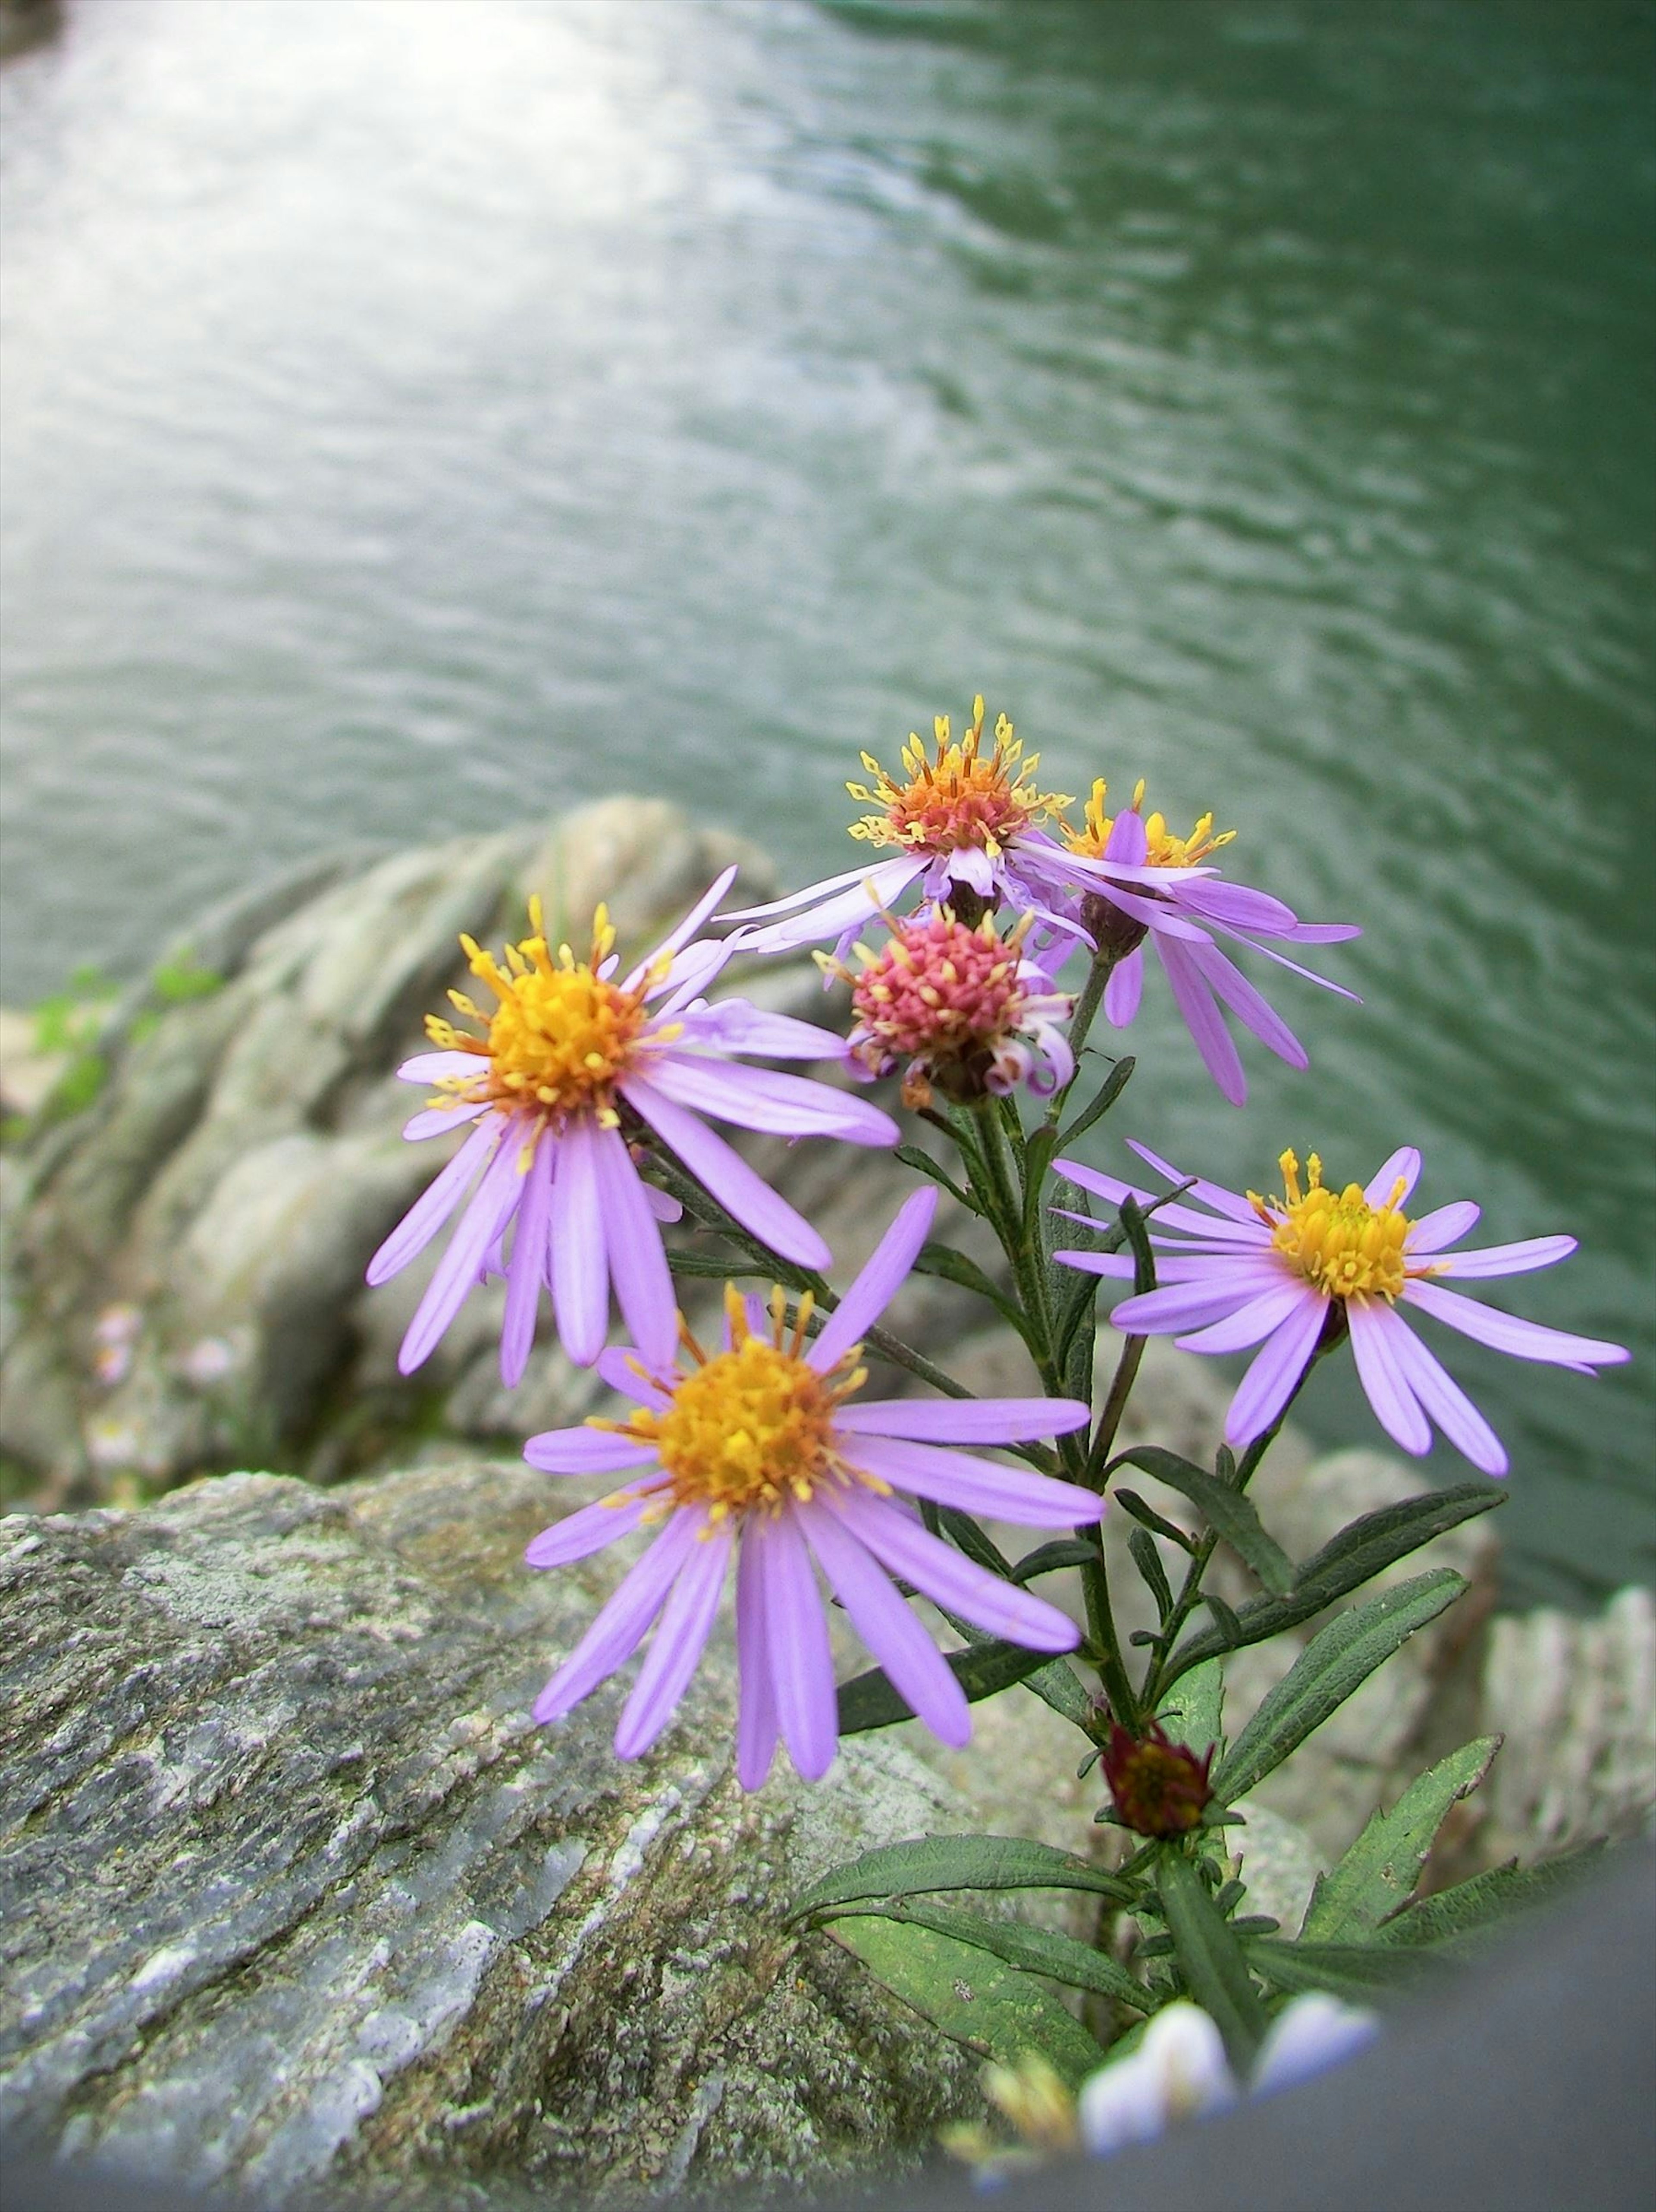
[(418, 415)]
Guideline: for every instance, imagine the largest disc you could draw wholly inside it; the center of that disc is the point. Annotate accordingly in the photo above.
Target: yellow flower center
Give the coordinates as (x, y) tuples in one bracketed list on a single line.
[(559, 1036), (962, 798), (1338, 1242), (1165, 850), (753, 1426)]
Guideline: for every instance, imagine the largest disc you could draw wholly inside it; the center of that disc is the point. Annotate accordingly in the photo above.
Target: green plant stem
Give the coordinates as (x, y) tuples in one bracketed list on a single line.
[(1081, 1021)]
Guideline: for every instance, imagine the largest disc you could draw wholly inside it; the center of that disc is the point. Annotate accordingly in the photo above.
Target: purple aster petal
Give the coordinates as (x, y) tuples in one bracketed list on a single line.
[(1237, 907), (742, 1194), (1270, 952), (692, 971), (962, 1420), (685, 929), (976, 1486), (947, 1577), (756, 1725), (1226, 980), (621, 1627), (874, 888), (796, 1634), (812, 893), (434, 1207), (875, 1285), (1125, 990), (1222, 1288), (895, 1637), (1157, 916), (1101, 1185), (461, 1265), (737, 1025), (1443, 1398), (1518, 1259), (1431, 1232), (661, 1206), (680, 1638), (580, 1270), (1269, 1382), (434, 1066), (1385, 1384), (1250, 1324), (1324, 932), (437, 1120), (586, 1450), (760, 1098), (975, 869), (1203, 1018), (1129, 842), (1228, 1202), (624, 1370), (527, 1270), (638, 1260), (1404, 1163), (1525, 1340), (578, 1536), (1119, 1265)]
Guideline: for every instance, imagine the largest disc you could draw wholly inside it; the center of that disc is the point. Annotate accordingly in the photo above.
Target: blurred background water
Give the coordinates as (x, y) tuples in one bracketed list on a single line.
[(422, 413)]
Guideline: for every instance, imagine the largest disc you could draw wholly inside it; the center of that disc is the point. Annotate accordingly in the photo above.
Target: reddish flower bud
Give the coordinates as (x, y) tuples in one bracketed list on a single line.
[(1159, 1788)]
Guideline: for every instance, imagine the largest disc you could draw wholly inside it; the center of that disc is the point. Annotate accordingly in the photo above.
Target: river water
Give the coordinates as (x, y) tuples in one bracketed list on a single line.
[(422, 413)]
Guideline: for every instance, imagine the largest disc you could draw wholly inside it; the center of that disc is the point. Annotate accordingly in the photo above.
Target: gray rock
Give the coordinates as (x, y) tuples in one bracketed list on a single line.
[(295, 1895)]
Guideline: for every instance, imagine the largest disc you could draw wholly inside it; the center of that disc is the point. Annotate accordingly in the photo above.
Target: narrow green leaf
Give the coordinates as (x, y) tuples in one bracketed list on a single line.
[(1379, 1873), (1338, 1660), (928, 1864), (1193, 1714), (1358, 1553), (1359, 1971), (1147, 1560), (977, 1544), (1224, 1509), (1055, 1685), (1210, 1957), (1047, 1558), (1229, 1627), (1102, 1099), (1032, 1951), (1475, 1908), (717, 1267), (869, 1701), (973, 1998), (1143, 1253), (1147, 1517), (923, 1164), (949, 1265)]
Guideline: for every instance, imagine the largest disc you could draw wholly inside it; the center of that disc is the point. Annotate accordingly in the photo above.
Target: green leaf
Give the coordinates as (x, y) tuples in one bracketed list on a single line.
[(869, 1701), (1210, 1957), (1356, 1555), (1472, 1909), (1032, 1951), (717, 1265), (928, 1864), (1222, 1508), (1055, 1685), (1194, 1713), (1143, 1253), (1338, 1660), (1147, 1560), (1355, 1971), (1133, 1505), (952, 1267), (1047, 1558), (1102, 1099), (1229, 1627), (971, 1996), (923, 1164), (978, 1545), (1379, 1873)]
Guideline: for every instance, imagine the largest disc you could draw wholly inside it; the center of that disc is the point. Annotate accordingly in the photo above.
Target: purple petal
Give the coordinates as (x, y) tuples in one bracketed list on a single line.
[(963, 1420), (760, 1098), (438, 1120), (1222, 1289), (947, 1577), (809, 897), (1269, 1382), (527, 1270), (976, 1486), (1120, 1265), (580, 1270), (1230, 1202), (638, 1260), (737, 1026), (620, 1366), (874, 888), (580, 1534), (1270, 952), (1157, 916), (729, 1179), (461, 1265), (690, 975), (621, 1627), (917, 1669), (680, 1638), (434, 1066), (1404, 1163), (1129, 841), (586, 1451), (661, 1206), (1237, 907), (434, 1207), (1250, 1324), (1432, 1231), (1125, 989), (1525, 1340), (1101, 1185), (1228, 982), (1508, 1258), (1204, 1021), (1384, 1383), (1443, 1398), (1324, 932), (875, 1285), (796, 1633), (685, 929), (755, 1727)]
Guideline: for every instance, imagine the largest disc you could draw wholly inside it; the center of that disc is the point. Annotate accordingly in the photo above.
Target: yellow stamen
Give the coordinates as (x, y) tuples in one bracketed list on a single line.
[(1164, 849), (1341, 1243), (961, 797)]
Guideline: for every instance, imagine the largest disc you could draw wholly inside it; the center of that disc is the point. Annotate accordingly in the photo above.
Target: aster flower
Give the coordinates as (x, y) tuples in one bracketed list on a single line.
[(571, 1058), (961, 1005), (759, 1452), (966, 825), (1159, 1788), (1177, 900), (1282, 1272)]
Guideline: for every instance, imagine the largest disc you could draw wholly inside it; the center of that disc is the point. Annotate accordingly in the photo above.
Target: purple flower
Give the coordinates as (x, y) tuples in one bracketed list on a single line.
[(1245, 1271), (758, 1450), (1138, 880), (568, 1052)]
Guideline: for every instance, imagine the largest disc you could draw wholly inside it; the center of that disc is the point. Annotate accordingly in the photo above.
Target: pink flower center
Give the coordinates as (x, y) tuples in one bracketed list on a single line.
[(937, 991)]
